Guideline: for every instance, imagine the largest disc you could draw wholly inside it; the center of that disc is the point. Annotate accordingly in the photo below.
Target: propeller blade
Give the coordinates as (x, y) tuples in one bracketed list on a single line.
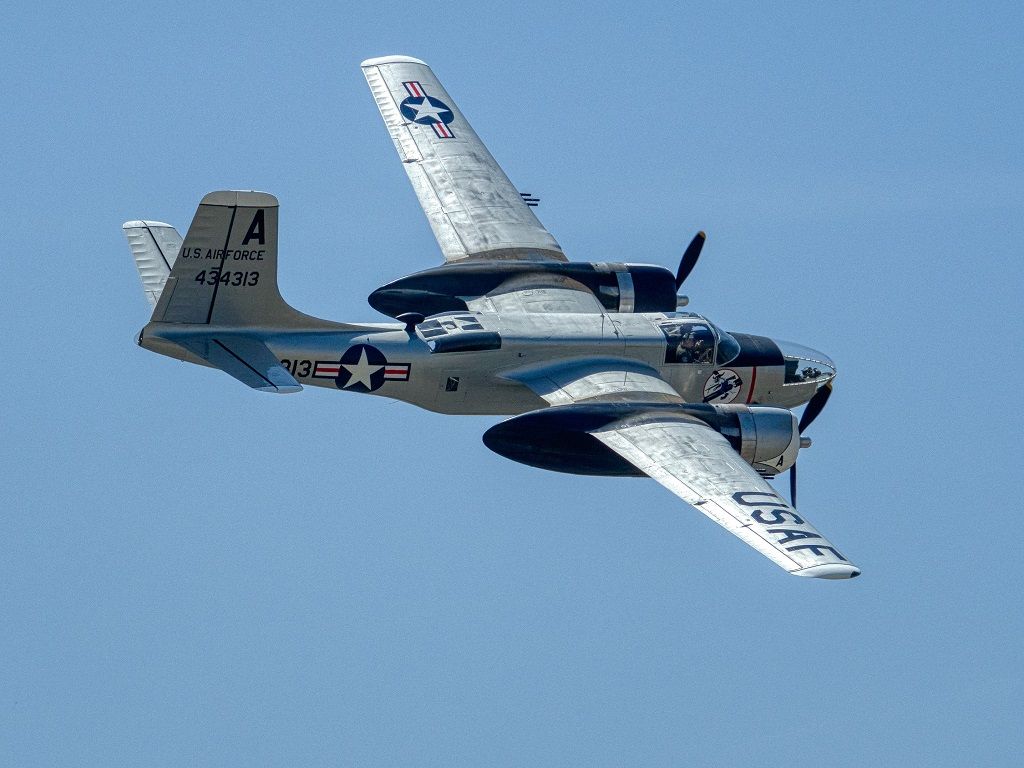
[(690, 256), (792, 486), (815, 406), (811, 412)]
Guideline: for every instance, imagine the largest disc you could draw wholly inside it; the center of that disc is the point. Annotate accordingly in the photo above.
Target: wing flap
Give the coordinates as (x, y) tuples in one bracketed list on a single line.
[(700, 467)]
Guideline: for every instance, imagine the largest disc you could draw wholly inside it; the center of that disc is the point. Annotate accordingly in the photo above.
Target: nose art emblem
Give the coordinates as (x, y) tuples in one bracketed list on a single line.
[(723, 386)]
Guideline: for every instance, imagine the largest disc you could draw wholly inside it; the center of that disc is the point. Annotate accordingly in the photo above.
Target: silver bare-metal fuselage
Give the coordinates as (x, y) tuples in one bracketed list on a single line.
[(490, 381)]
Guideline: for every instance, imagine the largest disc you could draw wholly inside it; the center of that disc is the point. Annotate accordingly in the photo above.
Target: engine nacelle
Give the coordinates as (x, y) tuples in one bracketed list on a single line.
[(767, 438), (558, 438), (619, 287)]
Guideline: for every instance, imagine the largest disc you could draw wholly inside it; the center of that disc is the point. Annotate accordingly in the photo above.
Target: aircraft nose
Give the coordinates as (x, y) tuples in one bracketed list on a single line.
[(805, 365)]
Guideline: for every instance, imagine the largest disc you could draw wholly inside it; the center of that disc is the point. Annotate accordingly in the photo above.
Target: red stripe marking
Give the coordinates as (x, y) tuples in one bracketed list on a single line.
[(753, 381)]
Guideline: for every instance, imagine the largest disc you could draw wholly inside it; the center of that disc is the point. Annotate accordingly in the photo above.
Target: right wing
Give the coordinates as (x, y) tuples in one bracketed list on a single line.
[(699, 466), (473, 208)]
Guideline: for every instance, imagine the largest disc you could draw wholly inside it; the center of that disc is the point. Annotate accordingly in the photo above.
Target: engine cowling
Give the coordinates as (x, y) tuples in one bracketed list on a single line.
[(766, 438), (619, 287), (559, 439)]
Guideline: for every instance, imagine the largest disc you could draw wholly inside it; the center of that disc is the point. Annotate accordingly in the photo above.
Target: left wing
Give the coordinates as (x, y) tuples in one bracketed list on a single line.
[(699, 466), (473, 208), (692, 460)]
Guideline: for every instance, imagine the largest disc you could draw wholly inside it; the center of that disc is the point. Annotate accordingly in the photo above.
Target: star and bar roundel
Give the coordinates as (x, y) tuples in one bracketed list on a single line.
[(362, 368), (426, 110)]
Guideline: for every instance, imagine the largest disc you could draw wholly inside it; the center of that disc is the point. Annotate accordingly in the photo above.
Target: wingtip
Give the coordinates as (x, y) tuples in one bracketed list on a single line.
[(836, 571), (393, 59)]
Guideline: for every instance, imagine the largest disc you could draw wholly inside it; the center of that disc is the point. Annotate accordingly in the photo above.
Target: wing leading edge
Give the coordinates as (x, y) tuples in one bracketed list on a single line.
[(473, 208)]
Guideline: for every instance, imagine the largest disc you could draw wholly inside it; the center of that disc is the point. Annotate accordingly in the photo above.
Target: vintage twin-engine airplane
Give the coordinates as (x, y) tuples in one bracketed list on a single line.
[(607, 376)]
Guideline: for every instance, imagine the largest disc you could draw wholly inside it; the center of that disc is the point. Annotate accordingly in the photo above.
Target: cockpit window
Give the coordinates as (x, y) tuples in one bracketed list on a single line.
[(688, 342), (728, 348)]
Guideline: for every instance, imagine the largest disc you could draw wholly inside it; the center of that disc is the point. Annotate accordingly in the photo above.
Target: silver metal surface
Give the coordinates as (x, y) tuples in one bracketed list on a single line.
[(473, 208), (700, 467), (155, 247), (536, 341)]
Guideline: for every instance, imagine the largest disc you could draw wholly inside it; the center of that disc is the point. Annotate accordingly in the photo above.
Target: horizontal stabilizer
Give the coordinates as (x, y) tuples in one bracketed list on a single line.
[(245, 358), (155, 247)]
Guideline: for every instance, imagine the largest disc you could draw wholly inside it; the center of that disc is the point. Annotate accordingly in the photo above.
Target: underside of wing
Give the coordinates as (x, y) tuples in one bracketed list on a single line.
[(700, 467), (473, 208), (616, 418)]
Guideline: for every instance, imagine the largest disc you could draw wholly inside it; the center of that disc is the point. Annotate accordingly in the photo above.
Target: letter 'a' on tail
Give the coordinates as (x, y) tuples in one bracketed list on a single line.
[(225, 273)]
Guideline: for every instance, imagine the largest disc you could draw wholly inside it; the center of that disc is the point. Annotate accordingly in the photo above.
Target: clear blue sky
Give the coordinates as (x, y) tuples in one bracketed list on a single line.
[(192, 573)]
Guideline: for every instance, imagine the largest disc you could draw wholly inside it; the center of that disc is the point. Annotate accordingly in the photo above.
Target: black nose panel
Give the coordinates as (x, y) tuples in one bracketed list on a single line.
[(756, 351)]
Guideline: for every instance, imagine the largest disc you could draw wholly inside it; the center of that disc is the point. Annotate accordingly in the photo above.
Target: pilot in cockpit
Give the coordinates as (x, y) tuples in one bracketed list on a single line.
[(693, 349), (688, 343)]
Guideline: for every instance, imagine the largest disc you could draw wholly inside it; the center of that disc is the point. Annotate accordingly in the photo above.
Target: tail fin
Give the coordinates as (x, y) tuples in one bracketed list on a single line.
[(219, 302), (155, 246), (226, 270)]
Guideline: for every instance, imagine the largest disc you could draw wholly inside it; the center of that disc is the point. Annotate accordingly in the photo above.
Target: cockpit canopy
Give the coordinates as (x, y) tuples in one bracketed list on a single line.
[(693, 339)]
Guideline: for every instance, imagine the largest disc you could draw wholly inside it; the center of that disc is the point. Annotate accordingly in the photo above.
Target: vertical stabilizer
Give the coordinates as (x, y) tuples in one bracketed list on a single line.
[(226, 270)]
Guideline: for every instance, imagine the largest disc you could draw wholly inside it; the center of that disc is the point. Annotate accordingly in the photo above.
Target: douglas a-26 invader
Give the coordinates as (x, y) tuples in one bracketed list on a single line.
[(600, 370)]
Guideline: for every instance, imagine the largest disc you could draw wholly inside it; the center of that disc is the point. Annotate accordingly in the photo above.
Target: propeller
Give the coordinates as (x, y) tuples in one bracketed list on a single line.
[(811, 412), (815, 406), (690, 256)]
